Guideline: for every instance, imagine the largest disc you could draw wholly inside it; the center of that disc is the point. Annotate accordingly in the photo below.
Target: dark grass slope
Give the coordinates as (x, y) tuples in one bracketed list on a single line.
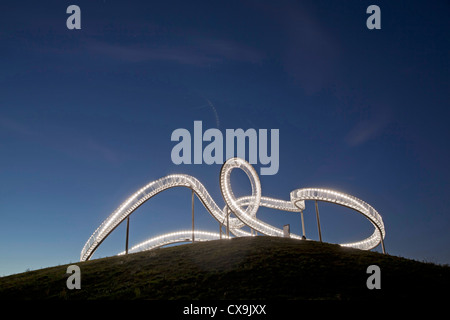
[(241, 268)]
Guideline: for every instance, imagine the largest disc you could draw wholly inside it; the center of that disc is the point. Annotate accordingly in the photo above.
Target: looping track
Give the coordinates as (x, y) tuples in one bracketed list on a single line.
[(245, 217)]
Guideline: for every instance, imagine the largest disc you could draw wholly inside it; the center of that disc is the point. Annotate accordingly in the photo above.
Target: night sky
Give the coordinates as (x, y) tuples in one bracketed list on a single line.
[(86, 117)]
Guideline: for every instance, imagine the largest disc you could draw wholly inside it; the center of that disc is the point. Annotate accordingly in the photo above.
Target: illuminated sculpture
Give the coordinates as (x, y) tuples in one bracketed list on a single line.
[(244, 217)]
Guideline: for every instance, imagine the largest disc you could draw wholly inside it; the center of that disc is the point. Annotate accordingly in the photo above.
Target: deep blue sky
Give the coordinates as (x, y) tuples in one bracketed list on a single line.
[(86, 116)]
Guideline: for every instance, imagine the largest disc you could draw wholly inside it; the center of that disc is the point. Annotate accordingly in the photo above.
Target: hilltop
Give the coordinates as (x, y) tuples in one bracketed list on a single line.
[(242, 268)]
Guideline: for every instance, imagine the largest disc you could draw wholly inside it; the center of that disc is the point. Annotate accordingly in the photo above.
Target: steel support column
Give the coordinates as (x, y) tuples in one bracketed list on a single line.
[(128, 232), (303, 225), (193, 236), (318, 221), (228, 223)]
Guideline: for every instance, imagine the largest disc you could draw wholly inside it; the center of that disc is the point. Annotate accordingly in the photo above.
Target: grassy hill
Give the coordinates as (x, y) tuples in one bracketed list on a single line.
[(241, 268)]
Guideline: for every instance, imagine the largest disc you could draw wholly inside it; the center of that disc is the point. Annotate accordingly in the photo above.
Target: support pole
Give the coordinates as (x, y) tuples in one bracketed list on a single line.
[(228, 224), (382, 241), (303, 225), (128, 231), (193, 236), (318, 221)]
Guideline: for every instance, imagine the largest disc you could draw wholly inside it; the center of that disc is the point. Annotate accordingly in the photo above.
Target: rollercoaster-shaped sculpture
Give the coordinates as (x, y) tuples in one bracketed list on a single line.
[(244, 208)]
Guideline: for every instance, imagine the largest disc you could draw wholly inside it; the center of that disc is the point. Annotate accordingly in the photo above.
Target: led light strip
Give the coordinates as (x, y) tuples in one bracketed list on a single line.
[(243, 218), (175, 237)]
